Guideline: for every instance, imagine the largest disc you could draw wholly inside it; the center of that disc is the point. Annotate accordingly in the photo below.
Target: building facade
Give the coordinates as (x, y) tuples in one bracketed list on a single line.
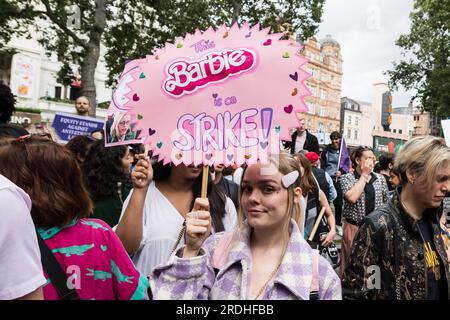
[(356, 122), (325, 66), (32, 76)]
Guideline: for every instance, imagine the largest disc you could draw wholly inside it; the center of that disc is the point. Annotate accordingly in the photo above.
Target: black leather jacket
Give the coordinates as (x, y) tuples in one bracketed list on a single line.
[(390, 239)]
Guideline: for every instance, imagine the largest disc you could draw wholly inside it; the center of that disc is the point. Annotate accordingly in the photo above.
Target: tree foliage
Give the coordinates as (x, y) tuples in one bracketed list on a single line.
[(74, 29), (425, 68)]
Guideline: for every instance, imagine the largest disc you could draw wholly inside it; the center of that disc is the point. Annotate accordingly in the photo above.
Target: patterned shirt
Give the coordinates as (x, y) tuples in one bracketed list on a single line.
[(357, 211), (95, 261), (195, 278)]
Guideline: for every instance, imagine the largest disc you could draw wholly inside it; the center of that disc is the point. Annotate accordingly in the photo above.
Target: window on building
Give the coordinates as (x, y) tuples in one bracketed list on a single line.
[(323, 94), (349, 133), (356, 134), (311, 108), (313, 90), (400, 131), (349, 120), (322, 111), (356, 121), (58, 91), (321, 127), (394, 130)]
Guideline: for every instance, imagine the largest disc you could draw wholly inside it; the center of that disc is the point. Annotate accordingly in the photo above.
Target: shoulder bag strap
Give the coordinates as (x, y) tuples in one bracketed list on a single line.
[(180, 235), (54, 271)]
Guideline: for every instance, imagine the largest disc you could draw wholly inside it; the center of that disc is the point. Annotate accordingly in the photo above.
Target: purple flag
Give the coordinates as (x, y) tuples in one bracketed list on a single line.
[(344, 158)]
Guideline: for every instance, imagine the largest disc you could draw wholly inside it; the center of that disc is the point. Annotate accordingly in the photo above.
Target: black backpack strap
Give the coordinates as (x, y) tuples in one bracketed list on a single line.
[(54, 271)]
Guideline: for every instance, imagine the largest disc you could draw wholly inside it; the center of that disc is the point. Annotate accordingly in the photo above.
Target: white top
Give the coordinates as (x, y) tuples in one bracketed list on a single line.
[(300, 142), (237, 175), (20, 259), (162, 225)]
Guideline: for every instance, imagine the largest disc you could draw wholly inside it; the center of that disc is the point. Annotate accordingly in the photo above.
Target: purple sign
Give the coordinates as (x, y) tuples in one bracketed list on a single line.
[(68, 126)]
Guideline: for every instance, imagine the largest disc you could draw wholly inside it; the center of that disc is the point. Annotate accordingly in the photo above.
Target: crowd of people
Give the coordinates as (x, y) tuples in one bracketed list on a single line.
[(85, 221)]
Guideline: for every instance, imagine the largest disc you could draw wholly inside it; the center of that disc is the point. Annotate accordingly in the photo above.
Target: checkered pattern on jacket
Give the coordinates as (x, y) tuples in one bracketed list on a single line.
[(194, 278)]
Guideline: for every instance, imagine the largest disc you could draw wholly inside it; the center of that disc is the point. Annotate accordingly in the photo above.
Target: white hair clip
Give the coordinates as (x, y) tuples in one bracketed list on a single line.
[(289, 179)]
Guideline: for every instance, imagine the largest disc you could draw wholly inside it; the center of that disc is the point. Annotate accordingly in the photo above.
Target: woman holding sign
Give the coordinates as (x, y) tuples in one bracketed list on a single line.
[(265, 257), (152, 222)]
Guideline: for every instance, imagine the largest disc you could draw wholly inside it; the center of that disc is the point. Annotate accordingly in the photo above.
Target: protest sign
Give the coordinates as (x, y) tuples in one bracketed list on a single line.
[(68, 126), (219, 96)]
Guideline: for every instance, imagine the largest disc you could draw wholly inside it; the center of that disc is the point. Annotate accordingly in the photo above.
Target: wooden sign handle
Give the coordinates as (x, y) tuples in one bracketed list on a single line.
[(316, 225)]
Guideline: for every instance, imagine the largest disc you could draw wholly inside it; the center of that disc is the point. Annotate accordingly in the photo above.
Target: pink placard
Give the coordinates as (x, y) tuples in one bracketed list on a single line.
[(226, 96)]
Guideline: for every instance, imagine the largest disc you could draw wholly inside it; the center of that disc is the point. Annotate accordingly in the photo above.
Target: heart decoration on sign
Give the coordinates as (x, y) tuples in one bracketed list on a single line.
[(288, 109), (173, 111), (294, 76)]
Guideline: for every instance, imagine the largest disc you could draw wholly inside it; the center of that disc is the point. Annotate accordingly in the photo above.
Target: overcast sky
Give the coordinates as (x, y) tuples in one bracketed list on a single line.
[(366, 31)]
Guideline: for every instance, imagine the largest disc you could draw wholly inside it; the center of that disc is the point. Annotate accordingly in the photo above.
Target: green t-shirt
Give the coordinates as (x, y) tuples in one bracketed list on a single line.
[(109, 208)]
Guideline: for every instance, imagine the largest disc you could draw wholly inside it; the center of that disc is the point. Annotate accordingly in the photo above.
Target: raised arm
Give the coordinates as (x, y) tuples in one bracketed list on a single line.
[(130, 226), (355, 192), (188, 275)]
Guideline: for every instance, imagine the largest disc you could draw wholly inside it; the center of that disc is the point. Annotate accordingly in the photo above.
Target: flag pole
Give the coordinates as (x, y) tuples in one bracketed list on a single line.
[(340, 152)]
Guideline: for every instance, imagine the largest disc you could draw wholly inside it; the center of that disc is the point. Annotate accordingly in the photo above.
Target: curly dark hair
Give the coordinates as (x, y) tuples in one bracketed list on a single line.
[(385, 160), (102, 169), (79, 146), (7, 103)]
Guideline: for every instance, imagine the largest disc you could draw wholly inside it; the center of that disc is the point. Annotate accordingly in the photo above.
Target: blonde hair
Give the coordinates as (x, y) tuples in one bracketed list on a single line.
[(114, 133), (285, 163), (424, 156)]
